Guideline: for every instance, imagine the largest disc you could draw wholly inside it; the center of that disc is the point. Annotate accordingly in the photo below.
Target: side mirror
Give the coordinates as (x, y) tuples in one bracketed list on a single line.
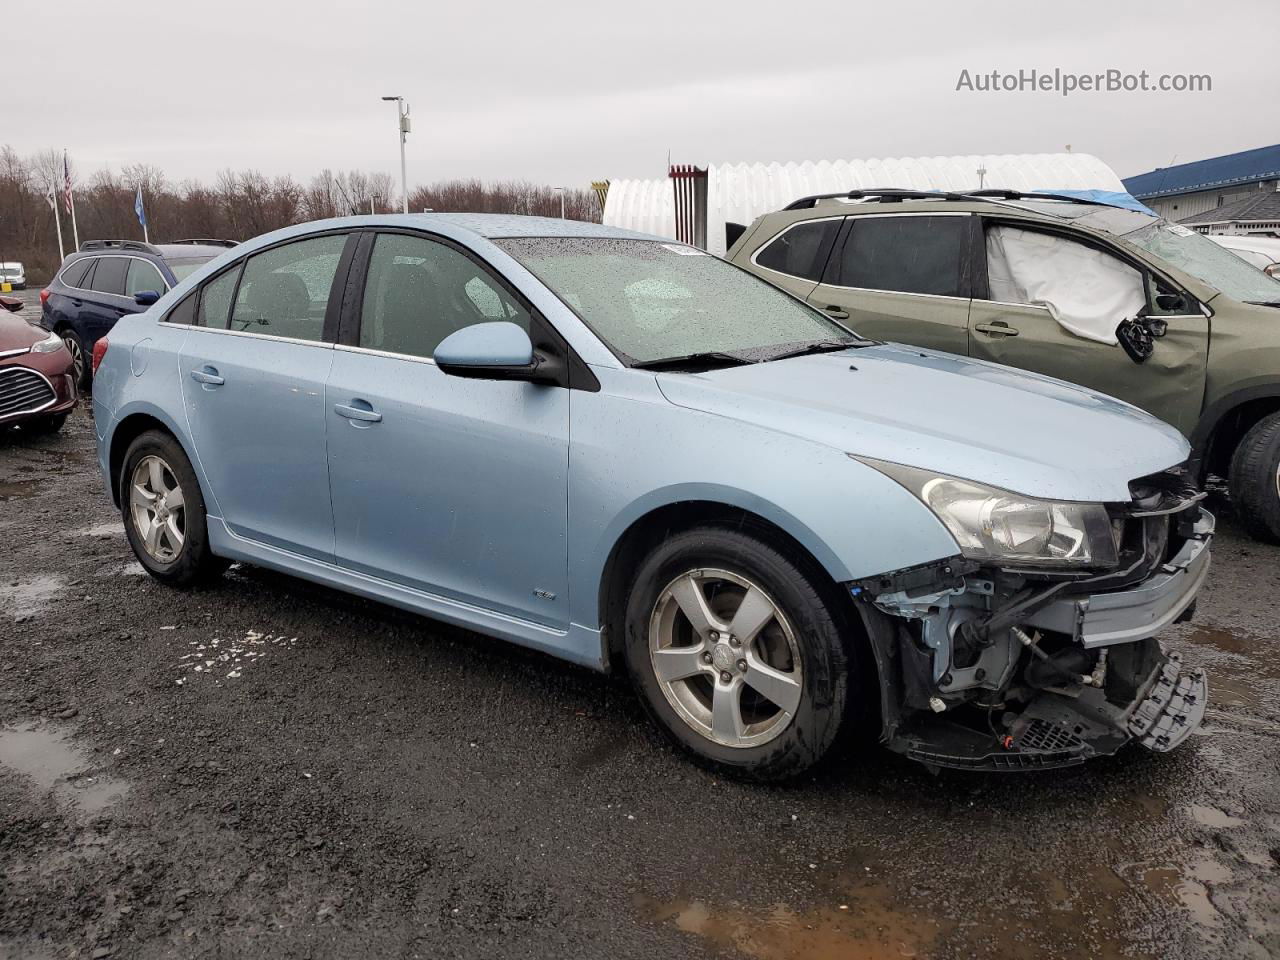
[(499, 350), (12, 304), (1136, 339), (1171, 302), (145, 298)]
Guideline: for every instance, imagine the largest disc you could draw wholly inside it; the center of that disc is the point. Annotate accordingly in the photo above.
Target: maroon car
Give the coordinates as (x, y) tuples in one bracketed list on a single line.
[(37, 378)]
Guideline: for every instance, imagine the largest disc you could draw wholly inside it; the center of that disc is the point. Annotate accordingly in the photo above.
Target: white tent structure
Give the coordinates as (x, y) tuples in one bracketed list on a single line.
[(740, 192)]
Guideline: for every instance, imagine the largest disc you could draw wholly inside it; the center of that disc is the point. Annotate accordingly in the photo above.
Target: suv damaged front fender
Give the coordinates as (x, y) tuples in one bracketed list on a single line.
[(1011, 669)]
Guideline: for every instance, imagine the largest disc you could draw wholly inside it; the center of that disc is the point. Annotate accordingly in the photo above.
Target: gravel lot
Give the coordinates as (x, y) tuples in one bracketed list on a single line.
[(266, 768)]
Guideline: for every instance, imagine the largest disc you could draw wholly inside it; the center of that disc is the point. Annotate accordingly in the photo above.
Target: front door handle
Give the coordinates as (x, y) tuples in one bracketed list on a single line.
[(363, 413), (997, 328), (208, 376), (836, 312)]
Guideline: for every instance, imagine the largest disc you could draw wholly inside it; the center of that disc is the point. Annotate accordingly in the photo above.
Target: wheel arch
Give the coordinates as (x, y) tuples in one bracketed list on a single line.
[(1225, 423), (127, 429)]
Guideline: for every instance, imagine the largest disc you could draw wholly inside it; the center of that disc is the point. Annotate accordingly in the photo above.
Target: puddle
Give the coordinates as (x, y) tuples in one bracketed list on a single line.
[(18, 489), (114, 529), (23, 598), (869, 929), (1213, 817), (46, 756), (1187, 886)]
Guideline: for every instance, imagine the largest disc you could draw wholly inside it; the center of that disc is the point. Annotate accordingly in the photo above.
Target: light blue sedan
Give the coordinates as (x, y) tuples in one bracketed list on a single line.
[(629, 454)]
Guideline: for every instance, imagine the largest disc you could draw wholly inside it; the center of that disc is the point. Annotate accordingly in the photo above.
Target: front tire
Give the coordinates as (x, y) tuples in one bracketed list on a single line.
[(80, 357), (1255, 480), (163, 512), (737, 654)]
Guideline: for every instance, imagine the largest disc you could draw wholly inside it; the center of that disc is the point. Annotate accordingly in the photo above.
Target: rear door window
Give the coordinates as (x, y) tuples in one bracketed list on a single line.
[(905, 254), (215, 300), (285, 290), (801, 250), (143, 276), (109, 277)]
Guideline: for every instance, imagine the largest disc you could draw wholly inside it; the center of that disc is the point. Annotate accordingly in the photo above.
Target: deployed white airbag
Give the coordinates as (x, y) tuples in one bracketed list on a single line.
[(1086, 291)]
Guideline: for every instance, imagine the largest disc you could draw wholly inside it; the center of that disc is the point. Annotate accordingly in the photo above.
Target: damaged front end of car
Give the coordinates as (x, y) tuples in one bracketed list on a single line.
[(1035, 647)]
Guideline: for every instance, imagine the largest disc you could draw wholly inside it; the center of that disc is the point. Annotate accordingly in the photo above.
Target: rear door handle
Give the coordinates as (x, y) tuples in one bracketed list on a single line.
[(835, 312), (996, 327), (208, 376), (364, 412)]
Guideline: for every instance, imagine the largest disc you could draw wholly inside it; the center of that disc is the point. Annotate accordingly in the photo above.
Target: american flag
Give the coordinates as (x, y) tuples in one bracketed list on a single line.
[(66, 185)]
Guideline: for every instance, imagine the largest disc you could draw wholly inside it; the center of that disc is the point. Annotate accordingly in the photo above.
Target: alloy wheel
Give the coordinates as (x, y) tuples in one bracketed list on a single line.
[(77, 356), (158, 509), (726, 657)]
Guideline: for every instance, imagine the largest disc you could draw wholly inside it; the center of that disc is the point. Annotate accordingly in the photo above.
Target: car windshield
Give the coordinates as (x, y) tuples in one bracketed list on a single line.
[(186, 266), (1200, 257), (652, 301)]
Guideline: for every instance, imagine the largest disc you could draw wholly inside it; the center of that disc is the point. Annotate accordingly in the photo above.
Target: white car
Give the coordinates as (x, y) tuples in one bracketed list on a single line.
[(13, 273), (1262, 252)]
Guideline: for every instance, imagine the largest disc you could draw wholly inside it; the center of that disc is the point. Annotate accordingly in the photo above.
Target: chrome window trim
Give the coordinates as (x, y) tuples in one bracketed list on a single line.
[(770, 242), (43, 406), (123, 256), (904, 293), (1010, 303), (390, 355), (254, 335)]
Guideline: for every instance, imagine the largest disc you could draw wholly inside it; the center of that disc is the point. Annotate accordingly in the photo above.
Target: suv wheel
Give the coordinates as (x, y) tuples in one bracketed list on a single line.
[(736, 654), (1255, 480), (163, 512), (79, 356)]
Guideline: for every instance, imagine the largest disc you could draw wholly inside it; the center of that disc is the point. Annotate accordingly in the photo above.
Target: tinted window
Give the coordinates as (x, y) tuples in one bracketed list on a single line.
[(800, 251), (215, 299), (109, 277), (184, 312), (73, 276), (143, 276), (907, 254), (285, 291), (420, 291)]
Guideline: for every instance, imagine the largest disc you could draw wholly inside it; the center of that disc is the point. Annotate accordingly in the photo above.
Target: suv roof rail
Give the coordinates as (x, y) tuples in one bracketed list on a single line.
[(119, 245), (896, 195), (207, 242)]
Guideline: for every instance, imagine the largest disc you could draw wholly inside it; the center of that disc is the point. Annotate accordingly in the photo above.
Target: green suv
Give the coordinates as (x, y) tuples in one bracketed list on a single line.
[(1100, 295)]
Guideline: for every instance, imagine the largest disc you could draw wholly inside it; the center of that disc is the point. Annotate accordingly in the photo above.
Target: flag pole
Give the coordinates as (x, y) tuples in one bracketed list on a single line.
[(57, 223), (75, 231), (70, 200)]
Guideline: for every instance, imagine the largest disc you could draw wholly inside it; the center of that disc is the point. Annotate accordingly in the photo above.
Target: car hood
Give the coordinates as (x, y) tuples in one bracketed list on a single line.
[(17, 334), (967, 418)]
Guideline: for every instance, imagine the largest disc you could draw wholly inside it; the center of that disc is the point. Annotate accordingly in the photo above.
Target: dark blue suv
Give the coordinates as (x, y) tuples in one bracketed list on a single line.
[(105, 279)]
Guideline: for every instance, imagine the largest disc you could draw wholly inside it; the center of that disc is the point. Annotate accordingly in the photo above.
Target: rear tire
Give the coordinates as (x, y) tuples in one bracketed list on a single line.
[(1255, 480), (79, 356), (766, 704), (164, 514)]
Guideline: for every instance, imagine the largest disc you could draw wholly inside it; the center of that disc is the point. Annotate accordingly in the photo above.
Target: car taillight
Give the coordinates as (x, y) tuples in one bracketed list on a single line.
[(99, 351), (44, 296)]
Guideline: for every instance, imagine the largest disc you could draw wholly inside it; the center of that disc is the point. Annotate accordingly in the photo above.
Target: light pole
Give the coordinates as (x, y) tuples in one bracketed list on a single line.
[(560, 190), (402, 113)]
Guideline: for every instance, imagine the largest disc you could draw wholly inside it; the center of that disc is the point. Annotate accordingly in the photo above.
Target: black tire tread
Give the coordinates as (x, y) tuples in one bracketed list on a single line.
[(1252, 480)]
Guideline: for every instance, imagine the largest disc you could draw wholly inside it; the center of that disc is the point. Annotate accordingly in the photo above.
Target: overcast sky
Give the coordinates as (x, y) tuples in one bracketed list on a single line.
[(562, 92)]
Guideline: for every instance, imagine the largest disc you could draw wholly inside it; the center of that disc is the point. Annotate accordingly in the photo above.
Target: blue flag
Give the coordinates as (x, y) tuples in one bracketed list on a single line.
[(139, 209)]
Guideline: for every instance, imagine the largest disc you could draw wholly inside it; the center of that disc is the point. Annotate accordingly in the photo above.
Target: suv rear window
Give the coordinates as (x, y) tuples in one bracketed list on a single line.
[(73, 276), (904, 254), (800, 250), (109, 277)]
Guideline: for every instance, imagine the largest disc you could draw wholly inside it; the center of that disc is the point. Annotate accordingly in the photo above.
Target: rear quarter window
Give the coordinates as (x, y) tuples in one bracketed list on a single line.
[(73, 274), (801, 250)]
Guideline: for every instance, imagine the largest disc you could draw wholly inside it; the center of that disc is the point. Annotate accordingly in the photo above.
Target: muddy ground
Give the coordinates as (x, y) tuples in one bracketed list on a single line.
[(270, 769)]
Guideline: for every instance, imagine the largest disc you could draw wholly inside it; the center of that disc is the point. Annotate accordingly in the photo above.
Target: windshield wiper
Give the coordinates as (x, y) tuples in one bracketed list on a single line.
[(1265, 303), (707, 360), (821, 346)]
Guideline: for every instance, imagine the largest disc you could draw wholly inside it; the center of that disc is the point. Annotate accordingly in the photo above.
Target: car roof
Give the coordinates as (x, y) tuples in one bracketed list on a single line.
[(494, 226), (183, 251)]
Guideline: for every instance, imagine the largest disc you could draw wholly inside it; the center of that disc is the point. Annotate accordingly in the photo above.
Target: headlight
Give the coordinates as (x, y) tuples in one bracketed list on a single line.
[(998, 526), (48, 345)]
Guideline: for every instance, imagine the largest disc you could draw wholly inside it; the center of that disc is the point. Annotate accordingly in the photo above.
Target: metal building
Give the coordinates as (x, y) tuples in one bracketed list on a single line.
[(1191, 189)]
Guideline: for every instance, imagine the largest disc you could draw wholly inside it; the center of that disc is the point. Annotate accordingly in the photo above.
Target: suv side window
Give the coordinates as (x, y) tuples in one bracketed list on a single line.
[(801, 250), (109, 277), (419, 291), (73, 276), (904, 254), (284, 291), (143, 276)]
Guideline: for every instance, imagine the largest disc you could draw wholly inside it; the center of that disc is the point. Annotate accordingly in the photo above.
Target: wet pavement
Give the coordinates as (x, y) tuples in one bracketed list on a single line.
[(266, 768)]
